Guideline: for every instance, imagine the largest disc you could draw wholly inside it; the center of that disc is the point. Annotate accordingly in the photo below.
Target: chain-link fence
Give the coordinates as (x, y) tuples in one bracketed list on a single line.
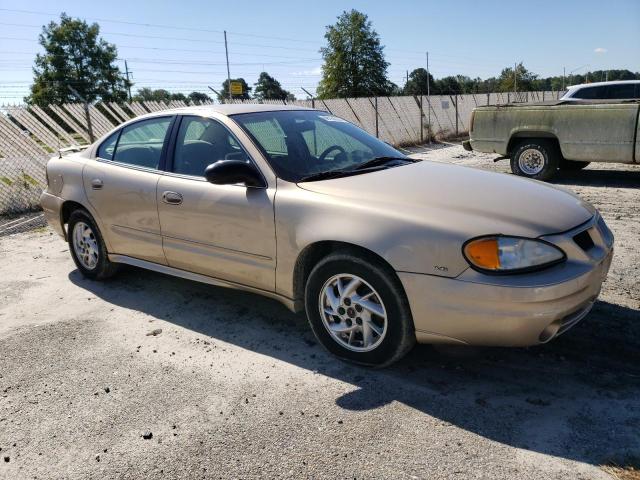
[(30, 135)]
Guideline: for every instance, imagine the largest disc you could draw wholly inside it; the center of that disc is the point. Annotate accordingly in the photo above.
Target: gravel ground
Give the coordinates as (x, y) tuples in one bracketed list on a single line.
[(147, 376)]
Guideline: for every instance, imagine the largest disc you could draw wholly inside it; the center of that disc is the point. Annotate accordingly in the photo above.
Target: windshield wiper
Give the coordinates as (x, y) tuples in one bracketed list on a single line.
[(372, 163), (325, 175), (378, 161)]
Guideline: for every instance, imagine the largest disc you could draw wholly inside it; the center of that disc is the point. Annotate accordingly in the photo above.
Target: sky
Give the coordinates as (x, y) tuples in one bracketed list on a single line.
[(179, 46)]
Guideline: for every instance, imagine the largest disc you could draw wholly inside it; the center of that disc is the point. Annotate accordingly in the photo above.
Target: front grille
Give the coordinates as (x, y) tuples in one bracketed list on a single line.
[(584, 240)]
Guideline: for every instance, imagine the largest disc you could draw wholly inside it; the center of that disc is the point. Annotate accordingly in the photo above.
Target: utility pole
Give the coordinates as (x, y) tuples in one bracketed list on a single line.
[(428, 99), (226, 51), (515, 79), (216, 92), (126, 69), (564, 74), (407, 76), (313, 102)]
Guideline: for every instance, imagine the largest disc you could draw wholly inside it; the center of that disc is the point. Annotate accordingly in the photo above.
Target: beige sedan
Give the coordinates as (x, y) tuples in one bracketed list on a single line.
[(380, 250)]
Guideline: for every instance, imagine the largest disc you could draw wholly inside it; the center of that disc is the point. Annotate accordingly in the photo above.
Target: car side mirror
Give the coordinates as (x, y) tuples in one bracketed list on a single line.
[(230, 172)]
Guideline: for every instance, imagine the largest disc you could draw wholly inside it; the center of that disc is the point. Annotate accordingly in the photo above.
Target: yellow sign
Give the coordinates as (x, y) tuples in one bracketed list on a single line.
[(236, 88)]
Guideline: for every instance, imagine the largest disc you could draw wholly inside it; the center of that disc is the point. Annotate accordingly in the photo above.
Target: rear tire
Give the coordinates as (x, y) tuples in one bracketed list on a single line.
[(87, 247), (369, 324), (572, 165), (535, 158)]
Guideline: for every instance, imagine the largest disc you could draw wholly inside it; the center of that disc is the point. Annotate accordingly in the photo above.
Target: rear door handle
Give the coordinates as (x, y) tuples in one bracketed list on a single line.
[(96, 184), (172, 198)]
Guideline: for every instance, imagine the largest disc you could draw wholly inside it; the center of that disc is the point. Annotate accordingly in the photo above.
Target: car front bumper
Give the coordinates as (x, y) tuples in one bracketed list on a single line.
[(511, 310)]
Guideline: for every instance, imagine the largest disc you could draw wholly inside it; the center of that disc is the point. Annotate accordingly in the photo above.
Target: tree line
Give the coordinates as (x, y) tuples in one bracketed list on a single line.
[(77, 63)]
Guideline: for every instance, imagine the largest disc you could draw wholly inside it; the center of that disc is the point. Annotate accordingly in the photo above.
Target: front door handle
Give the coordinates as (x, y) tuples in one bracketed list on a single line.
[(172, 198), (96, 184)]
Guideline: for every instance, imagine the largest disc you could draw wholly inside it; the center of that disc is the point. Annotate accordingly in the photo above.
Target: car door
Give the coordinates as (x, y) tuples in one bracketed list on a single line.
[(223, 231), (121, 187)]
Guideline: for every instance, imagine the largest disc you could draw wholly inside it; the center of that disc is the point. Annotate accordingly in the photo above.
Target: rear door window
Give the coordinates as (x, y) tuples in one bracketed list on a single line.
[(140, 143)]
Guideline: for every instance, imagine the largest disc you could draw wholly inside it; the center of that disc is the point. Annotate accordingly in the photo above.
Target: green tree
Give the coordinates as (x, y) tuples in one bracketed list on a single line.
[(417, 84), (162, 95), (224, 93), (268, 88), (75, 55), (199, 97), (147, 94), (354, 62), (525, 79), (448, 86)]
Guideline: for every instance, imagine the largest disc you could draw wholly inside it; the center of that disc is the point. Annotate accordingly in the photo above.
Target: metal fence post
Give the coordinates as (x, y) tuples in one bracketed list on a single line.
[(86, 112), (375, 103), (421, 121), (456, 104), (89, 126), (429, 117)]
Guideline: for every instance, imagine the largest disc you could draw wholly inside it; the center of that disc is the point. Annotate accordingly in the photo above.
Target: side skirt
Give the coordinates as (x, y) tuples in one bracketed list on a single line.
[(196, 277)]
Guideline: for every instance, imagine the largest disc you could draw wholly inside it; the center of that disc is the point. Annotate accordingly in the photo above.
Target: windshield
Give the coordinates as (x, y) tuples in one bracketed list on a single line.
[(301, 143)]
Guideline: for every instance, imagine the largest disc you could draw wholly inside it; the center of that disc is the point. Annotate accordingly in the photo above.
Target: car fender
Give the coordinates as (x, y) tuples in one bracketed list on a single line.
[(305, 218)]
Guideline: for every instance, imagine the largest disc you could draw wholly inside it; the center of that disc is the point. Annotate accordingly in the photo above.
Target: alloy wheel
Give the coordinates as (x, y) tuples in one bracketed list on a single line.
[(353, 312), (85, 245)]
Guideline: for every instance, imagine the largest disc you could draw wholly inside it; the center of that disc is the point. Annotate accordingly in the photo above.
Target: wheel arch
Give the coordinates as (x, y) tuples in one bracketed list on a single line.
[(316, 251), (524, 135), (68, 207)]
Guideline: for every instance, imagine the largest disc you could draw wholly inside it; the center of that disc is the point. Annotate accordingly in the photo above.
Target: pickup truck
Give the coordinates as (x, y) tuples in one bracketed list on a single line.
[(543, 137)]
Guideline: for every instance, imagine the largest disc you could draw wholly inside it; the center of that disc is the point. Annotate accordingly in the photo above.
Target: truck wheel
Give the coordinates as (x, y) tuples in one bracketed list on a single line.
[(358, 310), (572, 165), (87, 247), (537, 159)]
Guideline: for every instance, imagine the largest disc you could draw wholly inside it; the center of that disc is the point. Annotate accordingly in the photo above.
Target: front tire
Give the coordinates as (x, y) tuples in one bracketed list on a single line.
[(87, 247), (537, 159), (358, 310)]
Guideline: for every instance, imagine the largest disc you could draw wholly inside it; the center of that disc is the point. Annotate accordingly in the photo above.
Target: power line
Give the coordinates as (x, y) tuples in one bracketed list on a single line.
[(176, 38), (296, 62), (156, 25)]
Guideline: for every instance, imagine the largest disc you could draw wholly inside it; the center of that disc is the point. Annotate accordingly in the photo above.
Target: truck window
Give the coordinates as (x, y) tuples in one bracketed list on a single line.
[(620, 92), (591, 93)]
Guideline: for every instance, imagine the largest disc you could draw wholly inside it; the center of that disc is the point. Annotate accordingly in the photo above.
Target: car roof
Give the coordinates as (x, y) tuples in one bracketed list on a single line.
[(599, 84), (225, 109)]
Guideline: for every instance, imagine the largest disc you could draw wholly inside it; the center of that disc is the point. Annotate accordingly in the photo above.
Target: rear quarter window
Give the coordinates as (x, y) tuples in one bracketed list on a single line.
[(107, 148)]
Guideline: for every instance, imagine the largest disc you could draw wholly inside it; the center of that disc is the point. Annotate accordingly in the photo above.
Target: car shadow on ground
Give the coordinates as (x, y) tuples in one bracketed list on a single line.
[(594, 177), (577, 397)]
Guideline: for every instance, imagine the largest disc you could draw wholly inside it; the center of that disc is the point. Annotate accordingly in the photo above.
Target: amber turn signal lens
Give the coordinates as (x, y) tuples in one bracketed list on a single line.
[(484, 253)]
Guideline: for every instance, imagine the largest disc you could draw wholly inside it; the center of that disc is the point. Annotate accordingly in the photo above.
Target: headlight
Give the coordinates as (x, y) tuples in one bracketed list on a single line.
[(498, 254)]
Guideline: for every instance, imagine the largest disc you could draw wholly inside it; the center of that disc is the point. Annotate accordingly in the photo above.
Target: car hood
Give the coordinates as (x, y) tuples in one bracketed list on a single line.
[(467, 200)]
